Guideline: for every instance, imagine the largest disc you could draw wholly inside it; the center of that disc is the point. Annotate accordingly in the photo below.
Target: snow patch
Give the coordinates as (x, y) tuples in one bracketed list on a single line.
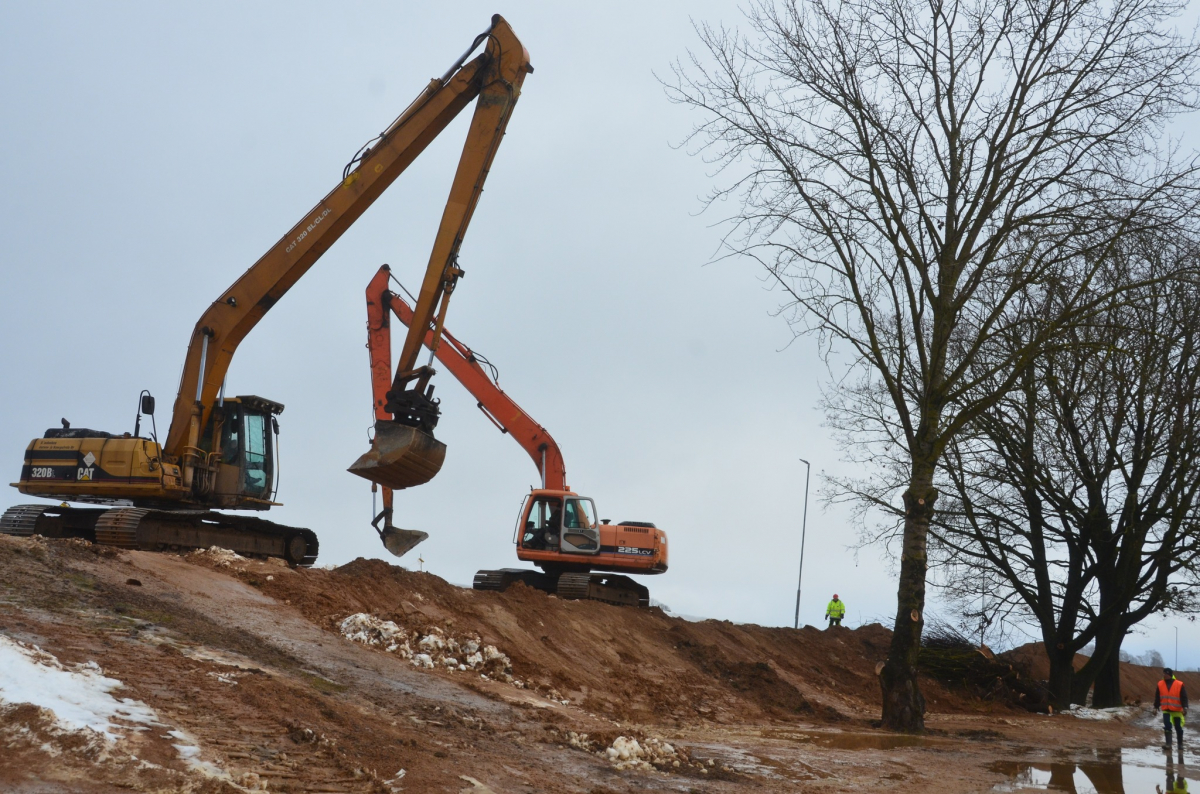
[(370, 630), (222, 557), (647, 755), (1118, 713), (431, 643), (431, 649), (80, 698), (189, 751), (394, 784)]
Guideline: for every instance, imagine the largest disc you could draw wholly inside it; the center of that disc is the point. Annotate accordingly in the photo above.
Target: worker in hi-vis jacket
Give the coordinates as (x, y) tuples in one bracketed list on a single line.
[(835, 611), (1171, 697)]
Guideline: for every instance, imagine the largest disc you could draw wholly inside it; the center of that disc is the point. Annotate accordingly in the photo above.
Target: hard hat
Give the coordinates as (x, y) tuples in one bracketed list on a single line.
[(835, 595)]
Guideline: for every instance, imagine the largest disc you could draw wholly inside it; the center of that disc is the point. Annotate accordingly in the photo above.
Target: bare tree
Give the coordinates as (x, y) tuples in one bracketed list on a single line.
[(911, 172), (1073, 501)]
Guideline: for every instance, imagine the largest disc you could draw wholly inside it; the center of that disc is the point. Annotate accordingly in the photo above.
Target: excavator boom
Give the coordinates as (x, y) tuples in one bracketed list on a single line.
[(218, 453), (494, 78)]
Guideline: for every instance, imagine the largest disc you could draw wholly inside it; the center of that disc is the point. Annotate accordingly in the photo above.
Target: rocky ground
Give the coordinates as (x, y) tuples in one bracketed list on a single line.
[(212, 673)]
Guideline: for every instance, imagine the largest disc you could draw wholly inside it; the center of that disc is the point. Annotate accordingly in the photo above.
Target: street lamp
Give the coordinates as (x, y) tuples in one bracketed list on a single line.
[(803, 531)]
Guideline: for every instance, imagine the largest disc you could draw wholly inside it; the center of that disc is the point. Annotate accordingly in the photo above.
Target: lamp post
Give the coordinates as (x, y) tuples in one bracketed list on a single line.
[(803, 531)]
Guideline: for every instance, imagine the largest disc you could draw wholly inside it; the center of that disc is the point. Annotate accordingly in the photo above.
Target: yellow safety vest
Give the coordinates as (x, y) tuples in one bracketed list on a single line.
[(836, 609)]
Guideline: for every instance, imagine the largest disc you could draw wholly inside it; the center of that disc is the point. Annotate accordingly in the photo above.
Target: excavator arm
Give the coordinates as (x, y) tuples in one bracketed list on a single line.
[(466, 367), (494, 79), (570, 550)]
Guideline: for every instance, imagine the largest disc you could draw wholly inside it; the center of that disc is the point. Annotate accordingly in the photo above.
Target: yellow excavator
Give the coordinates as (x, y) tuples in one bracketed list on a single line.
[(220, 452)]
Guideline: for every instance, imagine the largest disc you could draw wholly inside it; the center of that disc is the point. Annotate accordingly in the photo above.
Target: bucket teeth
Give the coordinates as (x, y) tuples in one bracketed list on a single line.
[(400, 457)]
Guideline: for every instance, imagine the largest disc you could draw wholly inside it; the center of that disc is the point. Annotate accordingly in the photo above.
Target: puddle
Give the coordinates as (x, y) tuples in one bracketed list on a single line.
[(1116, 771)]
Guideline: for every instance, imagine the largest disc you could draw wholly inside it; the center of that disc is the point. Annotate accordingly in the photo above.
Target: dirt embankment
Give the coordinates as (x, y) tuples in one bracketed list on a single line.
[(642, 665), (252, 686), (1137, 681), (625, 664)]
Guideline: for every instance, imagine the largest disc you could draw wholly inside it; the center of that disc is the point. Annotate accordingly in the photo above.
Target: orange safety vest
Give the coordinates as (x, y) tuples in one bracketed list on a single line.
[(1168, 698)]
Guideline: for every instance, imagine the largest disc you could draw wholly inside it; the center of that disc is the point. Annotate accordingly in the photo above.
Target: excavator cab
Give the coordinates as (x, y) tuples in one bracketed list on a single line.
[(239, 467), (564, 524)]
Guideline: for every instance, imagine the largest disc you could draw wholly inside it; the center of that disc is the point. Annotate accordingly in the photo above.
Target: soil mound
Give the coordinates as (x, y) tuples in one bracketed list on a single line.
[(641, 665), (625, 664), (950, 657), (1137, 681)]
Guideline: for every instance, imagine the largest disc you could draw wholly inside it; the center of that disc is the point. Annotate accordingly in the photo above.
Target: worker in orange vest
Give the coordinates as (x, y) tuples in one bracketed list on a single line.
[(1171, 697)]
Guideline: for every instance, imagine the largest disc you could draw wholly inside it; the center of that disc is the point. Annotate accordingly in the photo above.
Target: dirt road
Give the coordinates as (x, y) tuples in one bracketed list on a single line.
[(252, 683)]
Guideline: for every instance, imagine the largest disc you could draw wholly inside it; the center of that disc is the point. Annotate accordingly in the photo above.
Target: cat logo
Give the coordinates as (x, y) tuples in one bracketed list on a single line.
[(85, 472)]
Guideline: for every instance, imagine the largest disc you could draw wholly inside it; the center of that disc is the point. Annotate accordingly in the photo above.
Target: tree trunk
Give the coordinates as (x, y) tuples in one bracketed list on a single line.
[(903, 704), (1102, 673), (1085, 676), (1107, 692), (1062, 677), (1081, 682)]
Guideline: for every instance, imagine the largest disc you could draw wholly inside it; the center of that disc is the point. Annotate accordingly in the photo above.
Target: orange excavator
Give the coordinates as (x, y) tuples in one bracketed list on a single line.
[(580, 556), (218, 452)]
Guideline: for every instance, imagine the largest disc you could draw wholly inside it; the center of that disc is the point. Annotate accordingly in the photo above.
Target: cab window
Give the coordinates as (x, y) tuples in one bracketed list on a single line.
[(579, 514), (257, 473), (231, 447), (545, 514), (542, 524)]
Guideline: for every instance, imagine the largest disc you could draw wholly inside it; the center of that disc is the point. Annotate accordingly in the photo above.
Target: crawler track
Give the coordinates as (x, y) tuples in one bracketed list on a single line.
[(606, 587), (501, 579), (21, 520), (158, 530)]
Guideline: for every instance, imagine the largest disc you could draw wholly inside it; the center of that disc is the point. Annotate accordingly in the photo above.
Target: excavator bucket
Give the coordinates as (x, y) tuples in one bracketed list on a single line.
[(401, 541), (400, 457)]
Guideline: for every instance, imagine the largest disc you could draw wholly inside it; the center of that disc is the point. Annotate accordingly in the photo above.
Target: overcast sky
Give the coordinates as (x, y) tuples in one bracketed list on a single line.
[(151, 152)]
